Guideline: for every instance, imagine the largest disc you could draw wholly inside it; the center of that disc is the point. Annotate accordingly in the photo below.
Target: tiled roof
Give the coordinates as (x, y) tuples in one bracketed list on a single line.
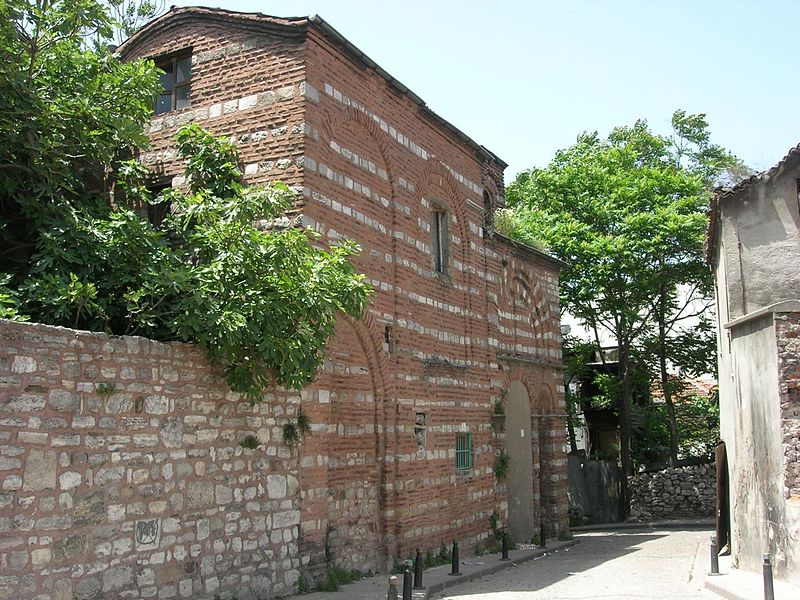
[(729, 192)]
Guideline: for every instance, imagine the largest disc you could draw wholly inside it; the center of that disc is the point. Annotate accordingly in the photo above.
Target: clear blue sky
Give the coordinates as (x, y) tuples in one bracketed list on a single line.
[(524, 78)]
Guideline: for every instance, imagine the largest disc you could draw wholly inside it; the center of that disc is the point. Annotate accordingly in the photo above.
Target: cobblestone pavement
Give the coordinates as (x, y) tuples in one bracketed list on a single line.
[(667, 565)]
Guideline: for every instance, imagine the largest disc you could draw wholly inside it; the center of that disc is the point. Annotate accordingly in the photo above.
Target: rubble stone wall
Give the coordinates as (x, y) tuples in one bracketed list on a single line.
[(122, 473), (674, 492)]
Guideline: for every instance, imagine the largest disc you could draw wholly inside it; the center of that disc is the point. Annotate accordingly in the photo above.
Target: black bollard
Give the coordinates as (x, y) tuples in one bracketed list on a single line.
[(455, 560), (392, 594), (504, 546), (407, 584), (542, 537), (714, 557), (769, 592), (418, 570)]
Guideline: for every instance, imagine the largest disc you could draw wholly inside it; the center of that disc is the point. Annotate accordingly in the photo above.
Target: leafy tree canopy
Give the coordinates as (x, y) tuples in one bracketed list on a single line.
[(76, 248), (627, 213)]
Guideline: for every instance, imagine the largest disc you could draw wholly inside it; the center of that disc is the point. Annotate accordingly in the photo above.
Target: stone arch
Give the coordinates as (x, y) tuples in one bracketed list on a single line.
[(342, 468), (435, 182), (428, 178), (524, 296), (347, 116)]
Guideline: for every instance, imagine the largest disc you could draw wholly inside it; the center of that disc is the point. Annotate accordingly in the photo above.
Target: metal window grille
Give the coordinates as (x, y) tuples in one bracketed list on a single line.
[(463, 451)]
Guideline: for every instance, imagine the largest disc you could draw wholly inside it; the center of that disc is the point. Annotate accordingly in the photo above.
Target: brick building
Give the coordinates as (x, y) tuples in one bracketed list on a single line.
[(404, 441)]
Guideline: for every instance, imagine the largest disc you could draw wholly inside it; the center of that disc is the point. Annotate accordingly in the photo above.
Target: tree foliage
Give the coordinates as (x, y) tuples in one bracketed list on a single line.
[(627, 213), (69, 111), (76, 249)]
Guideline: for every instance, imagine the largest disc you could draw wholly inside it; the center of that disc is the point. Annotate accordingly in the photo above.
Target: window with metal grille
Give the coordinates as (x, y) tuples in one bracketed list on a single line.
[(175, 83), (463, 451)]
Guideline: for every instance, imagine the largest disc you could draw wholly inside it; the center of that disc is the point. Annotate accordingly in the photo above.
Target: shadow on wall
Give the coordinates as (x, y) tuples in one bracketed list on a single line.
[(594, 491)]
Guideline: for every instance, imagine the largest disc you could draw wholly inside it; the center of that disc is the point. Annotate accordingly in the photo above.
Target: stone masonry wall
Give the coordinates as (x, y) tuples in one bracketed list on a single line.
[(787, 334), (121, 473), (673, 492)]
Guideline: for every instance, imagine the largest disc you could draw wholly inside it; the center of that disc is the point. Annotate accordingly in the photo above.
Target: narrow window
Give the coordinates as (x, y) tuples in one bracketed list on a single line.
[(439, 238), (175, 83), (488, 212), (420, 429), (463, 451)]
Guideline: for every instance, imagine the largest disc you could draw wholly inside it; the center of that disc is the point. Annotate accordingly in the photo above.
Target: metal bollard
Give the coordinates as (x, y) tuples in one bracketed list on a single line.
[(455, 560), (418, 570), (542, 537), (407, 584), (769, 592), (504, 546), (392, 594), (714, 557)]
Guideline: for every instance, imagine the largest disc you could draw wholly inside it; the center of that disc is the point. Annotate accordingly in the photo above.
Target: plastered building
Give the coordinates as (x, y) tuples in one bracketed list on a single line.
[(754, 249)]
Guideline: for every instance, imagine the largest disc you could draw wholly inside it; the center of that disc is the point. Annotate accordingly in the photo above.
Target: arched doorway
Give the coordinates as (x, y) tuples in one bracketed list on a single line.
[(519, 483)]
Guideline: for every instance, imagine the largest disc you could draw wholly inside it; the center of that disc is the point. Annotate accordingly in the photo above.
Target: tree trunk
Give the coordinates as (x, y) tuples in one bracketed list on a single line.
[(665, 387), (570, 404), (625, 428)]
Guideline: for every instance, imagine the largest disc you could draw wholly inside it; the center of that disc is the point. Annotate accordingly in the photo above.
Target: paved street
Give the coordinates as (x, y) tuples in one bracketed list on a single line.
[(615, 565)]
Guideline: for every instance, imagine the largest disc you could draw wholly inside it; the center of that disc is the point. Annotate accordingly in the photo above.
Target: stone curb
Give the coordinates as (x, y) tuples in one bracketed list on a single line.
[(492, 569), (665, 524)]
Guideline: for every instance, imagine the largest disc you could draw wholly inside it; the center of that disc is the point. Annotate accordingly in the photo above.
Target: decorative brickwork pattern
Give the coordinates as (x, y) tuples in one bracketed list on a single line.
[(787, 335)]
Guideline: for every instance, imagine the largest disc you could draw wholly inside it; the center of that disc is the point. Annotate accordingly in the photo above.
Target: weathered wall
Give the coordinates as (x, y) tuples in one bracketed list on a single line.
[(436, 350), (122, 473), (765, 515), (674, 492), (760, 226)]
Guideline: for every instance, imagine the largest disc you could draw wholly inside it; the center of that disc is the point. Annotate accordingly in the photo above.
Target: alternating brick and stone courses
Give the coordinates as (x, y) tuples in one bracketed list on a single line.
[(460, 348)]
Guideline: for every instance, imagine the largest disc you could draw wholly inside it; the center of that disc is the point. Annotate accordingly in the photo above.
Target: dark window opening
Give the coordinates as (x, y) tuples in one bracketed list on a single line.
[(439, 240), (175, 83), (488, 212), (388, 338)]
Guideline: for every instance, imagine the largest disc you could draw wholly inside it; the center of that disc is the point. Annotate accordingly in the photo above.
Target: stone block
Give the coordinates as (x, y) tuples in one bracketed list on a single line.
[(200, 494), (40, 471)]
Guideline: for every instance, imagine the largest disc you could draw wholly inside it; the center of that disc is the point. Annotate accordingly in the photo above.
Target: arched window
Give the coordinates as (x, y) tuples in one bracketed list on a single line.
[(488, 212)]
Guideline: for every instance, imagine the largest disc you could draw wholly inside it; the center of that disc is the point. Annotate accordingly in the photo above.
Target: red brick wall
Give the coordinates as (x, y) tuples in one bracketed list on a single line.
[(787, 334), (122, 474), (371, 164)]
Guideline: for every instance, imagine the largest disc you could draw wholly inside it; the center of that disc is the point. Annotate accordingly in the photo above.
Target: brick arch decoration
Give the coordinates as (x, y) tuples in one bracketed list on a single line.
[(436, 175), (427, 179), (370, 337), (519, 287), (348, 115)]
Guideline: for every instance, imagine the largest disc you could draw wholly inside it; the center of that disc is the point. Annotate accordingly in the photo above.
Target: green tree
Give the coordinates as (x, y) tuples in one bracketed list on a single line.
[(627, 214), (69, 111), (222, 271), (130, 15)]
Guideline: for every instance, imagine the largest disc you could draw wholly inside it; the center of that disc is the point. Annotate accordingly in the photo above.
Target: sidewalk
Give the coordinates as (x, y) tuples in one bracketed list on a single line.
[(735, 584), (438, 578)]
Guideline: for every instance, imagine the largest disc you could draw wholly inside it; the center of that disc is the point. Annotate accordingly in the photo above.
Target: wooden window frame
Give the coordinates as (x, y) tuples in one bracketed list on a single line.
[(171, 61)]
